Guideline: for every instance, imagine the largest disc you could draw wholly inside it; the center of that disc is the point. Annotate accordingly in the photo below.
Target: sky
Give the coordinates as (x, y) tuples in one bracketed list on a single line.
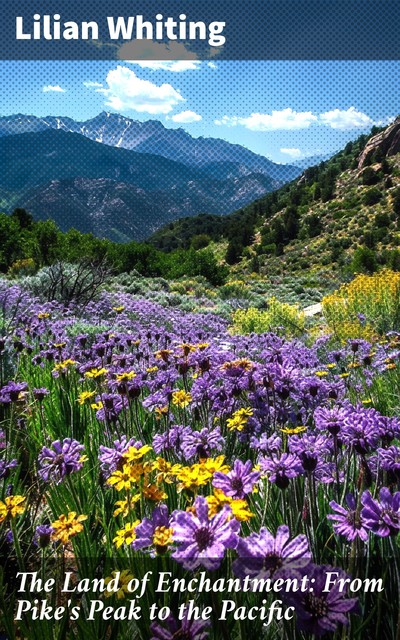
[(284, 110)]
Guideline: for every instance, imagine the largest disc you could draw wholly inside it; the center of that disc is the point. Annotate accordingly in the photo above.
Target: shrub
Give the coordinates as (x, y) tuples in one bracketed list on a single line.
[(278, 315), (369, 176), (365, 304), (372, 196), (69, 283), (24, 267), (364, 261)]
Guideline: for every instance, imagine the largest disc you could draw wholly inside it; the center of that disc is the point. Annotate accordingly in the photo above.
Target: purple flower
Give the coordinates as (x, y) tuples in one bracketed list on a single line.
[(11, 392), (203, 541), (361, 430), (61, 460), (239, 481), (42, 537), (309, 448), (331, 420), (261, 555), (184, 629), (280, 470), (201, 443), (349, 523), (111, 457), (40, 394), (113, 404), (149, 527), (171, 439), (320, 610), (267, 444), (382, 518), (6, 466), (390, 459)]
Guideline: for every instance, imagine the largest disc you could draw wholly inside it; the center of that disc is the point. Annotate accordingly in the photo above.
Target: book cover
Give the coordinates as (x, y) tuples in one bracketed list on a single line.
[(199, 320)]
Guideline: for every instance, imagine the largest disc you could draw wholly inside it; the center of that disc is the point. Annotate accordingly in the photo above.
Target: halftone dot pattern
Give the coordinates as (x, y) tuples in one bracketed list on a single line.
[(263, 40), (71, 185), (277, 29)]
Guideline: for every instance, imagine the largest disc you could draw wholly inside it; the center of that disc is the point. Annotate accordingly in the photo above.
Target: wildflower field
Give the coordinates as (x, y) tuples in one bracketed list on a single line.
[(165, 475)]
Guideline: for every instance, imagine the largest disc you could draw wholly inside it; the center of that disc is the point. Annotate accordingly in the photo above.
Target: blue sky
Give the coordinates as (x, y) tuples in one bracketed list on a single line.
[(284, 110)]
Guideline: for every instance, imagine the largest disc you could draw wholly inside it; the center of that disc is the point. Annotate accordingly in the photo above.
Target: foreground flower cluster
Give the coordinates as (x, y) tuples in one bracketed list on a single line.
[(136, 435)]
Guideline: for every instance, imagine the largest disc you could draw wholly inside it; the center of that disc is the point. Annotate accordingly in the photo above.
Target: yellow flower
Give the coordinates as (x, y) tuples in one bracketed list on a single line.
[(181, 398), (187, 348), (294, 430), (162, 537), (12, 506), (239, 419), (212, 465), (151, 369), (321, 374), (59, 345), (192, 477), (118, 309), (125, 478), (163, 354), (152, 492), (67, 526), (161, 411), (85, 397), (166, 470), (240, 508), (132, 454), (125, 376), (96, 373), (126, 535), (244, 364), (96, 406), (42, 315), (64, 365), (122, 508), (123, 581)]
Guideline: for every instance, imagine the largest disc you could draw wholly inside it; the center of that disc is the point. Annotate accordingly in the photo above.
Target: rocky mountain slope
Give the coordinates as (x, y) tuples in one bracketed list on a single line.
[(342, 215)]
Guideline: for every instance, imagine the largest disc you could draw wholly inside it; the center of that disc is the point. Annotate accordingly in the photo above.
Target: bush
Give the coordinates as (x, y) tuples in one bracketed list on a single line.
[(69, 283), (364, 261), (369, 176), (372, 196), (367, 304), (279, 315)]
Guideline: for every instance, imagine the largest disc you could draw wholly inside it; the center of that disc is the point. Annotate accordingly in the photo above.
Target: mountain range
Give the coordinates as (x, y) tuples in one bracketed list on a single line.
[(121, 178)]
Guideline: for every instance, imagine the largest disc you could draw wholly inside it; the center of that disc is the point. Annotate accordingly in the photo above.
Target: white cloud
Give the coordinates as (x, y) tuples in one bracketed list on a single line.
[(156, 56), (292, 152), (227, 121), (287, 119), (93, 85), (53, 87), (186, 117), (346, 119), (212, 65), (127, 92), (176, 66)]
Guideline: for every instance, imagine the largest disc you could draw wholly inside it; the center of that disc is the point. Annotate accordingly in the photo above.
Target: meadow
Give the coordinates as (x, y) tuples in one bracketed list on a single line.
[(200, 432)]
